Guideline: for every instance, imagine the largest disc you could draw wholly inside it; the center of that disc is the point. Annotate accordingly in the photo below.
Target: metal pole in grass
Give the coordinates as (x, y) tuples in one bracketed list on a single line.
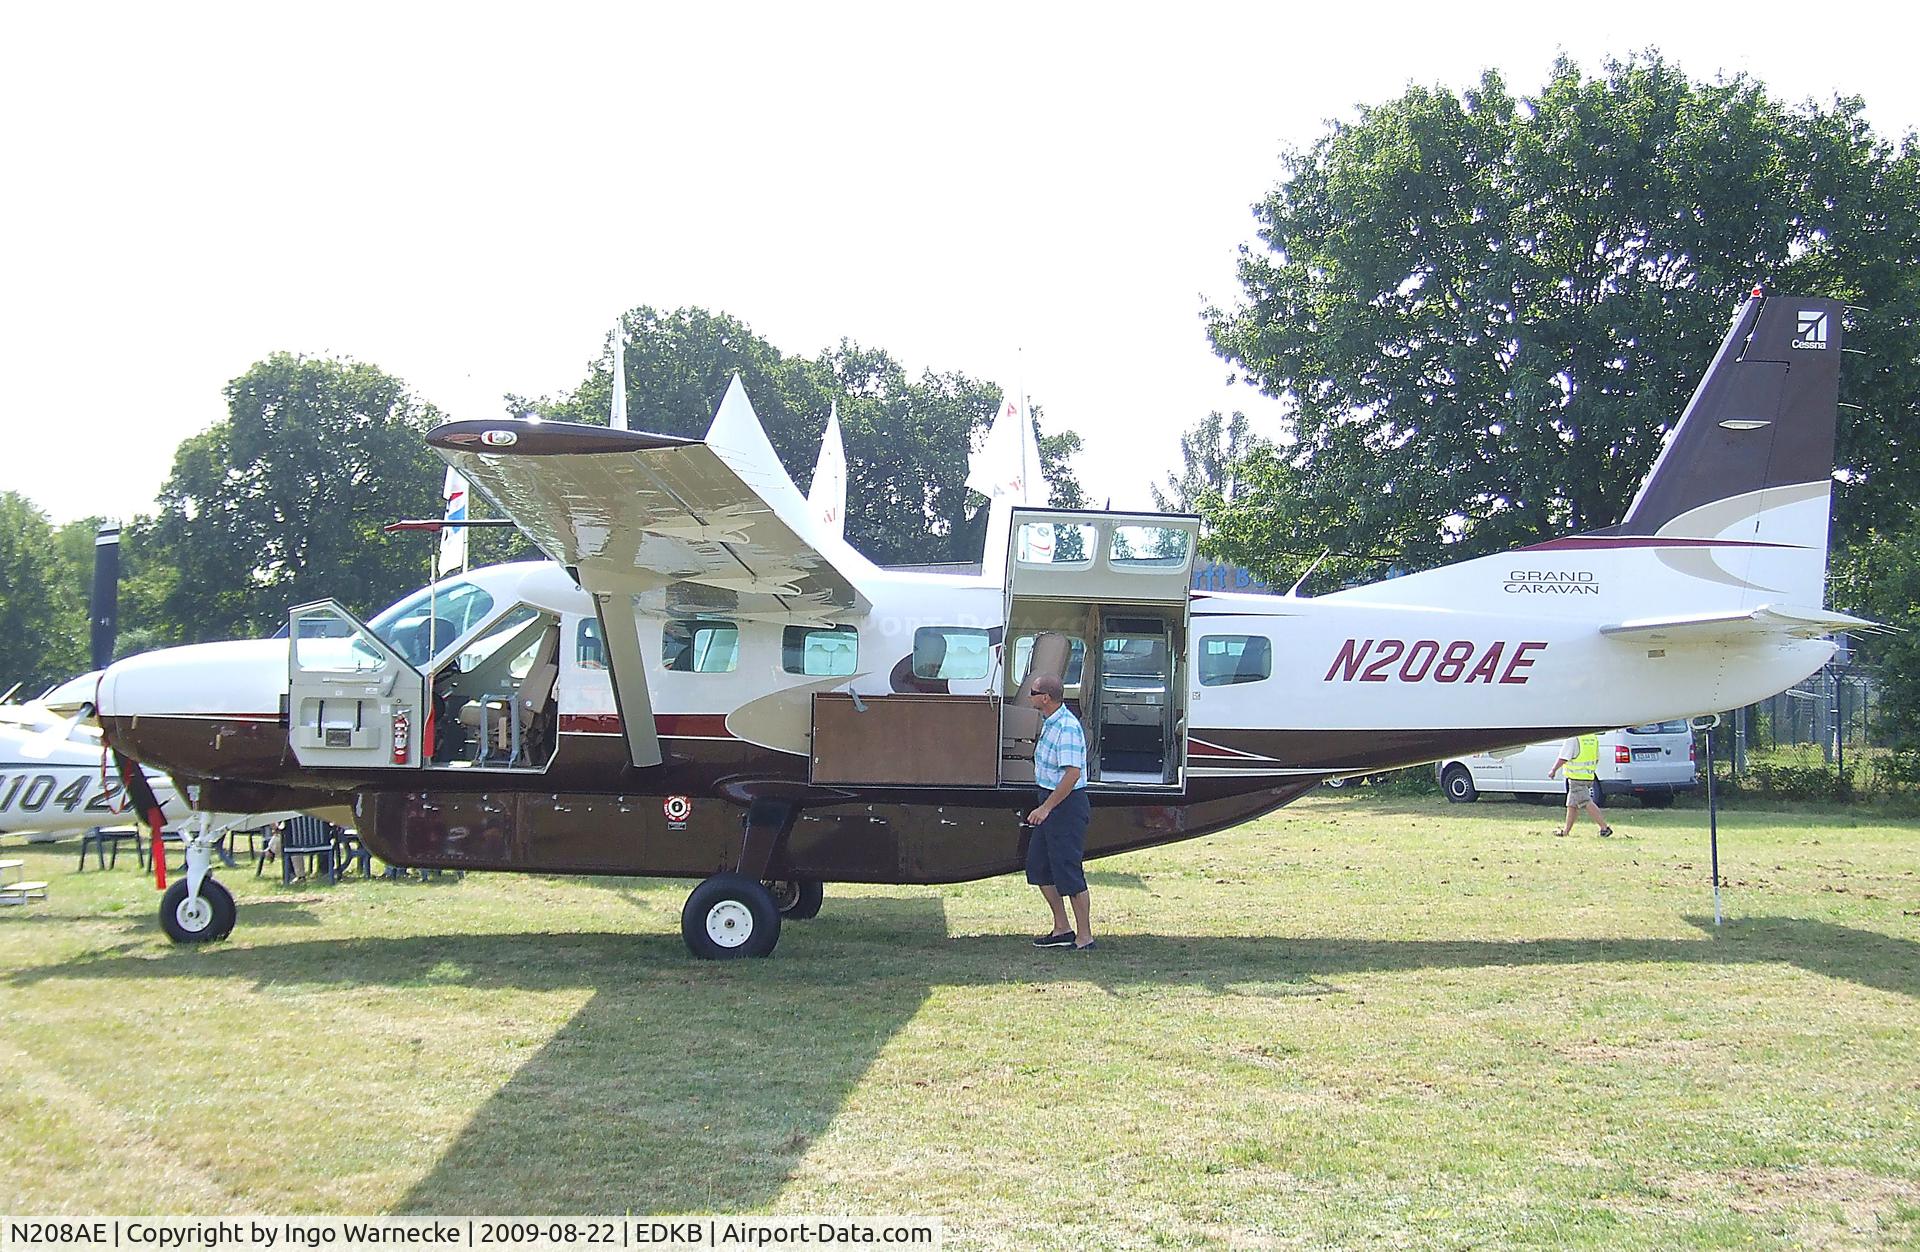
[(1707, 724)]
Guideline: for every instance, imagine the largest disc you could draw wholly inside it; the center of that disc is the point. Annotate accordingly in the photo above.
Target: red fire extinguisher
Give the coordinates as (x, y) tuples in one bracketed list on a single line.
[(402, 736)]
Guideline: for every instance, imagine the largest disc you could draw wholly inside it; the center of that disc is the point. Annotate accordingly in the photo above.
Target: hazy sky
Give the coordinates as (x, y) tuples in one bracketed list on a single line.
[(466, 196)]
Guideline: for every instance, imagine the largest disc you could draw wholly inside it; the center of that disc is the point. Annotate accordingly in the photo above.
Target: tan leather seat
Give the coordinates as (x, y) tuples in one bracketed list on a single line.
[(1019, 720)]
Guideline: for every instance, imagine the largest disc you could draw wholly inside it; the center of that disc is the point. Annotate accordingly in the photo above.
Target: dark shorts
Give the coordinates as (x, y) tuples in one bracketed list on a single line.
[(1056, 846)]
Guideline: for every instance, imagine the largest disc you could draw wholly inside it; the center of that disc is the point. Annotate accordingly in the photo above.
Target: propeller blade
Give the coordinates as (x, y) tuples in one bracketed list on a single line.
[(147, 805)]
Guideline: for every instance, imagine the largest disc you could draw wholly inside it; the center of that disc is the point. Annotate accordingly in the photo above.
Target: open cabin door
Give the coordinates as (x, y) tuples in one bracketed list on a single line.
[(352, 701), (1101, 600)]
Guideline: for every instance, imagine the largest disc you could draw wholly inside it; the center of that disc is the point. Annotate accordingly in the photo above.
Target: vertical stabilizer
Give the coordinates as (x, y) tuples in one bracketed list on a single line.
[(1743, 489)]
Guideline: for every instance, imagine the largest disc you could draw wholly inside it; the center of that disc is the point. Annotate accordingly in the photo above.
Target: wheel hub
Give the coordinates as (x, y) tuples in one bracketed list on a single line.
[(730, 923), (194, 914)]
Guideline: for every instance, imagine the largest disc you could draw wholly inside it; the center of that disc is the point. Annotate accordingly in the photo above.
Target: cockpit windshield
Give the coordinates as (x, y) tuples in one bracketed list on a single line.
[(427, 621)]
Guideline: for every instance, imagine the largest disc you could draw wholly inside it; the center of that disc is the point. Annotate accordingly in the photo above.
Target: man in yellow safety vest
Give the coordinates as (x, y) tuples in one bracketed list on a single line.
[(1581, 756)]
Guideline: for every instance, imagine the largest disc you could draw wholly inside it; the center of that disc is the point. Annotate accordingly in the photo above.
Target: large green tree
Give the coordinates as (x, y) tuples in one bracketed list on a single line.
[(284, 500), (906, 438), (1211, 456), (43, 612), (1483, 312)]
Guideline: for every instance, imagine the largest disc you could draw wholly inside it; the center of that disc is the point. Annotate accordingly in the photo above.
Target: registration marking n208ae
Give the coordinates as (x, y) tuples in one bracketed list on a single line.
[(1430, 660)]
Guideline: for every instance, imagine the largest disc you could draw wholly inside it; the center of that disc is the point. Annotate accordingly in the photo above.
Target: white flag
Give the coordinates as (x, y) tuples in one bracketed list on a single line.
[(827, 494), (453, 539), (618, 420), (1006, 470)]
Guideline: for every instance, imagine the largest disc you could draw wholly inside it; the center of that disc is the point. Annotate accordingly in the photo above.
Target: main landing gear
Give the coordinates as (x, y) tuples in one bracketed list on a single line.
[(196, 908), (738, 914)]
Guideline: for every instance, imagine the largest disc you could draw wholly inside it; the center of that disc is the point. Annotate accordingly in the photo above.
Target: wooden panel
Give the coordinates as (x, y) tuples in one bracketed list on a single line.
[(906, 740)]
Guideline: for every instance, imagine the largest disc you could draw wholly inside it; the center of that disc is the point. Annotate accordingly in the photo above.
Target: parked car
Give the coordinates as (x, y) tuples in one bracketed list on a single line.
[(1652, 763)]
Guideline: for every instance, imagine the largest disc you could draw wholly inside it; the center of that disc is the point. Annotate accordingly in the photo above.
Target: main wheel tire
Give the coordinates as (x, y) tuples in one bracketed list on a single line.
[(730, 916), (1458, 784), (798, 899), (208, 917), (1335, 783)]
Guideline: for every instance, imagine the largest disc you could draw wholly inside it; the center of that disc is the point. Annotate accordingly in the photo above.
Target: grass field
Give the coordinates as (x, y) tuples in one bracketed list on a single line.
[(1362, 1020)]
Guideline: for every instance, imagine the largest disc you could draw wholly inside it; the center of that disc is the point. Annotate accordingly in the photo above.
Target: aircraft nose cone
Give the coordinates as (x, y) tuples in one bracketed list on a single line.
[(243, 677), (211, 709)]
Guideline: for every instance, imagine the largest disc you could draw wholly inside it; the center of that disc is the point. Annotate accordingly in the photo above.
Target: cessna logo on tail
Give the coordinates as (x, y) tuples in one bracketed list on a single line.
[(1810, 329)]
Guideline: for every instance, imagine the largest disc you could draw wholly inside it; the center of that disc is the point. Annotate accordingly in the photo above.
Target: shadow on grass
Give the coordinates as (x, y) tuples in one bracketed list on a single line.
[(685, 1086)]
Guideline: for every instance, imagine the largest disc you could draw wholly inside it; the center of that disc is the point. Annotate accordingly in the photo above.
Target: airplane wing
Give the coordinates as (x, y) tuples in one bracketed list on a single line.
[(659, 517), (658, 525), (1739, 626)]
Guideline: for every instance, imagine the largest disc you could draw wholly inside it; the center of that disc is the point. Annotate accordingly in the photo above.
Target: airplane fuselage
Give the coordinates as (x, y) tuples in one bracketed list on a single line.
[(1355, 686)]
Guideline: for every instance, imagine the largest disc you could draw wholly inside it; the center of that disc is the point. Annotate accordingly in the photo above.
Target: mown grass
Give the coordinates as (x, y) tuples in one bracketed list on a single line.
[(1363, 1020)]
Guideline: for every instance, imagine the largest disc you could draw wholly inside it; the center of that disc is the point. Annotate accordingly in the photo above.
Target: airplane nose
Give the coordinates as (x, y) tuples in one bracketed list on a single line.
[(200, 709), (243, 677)]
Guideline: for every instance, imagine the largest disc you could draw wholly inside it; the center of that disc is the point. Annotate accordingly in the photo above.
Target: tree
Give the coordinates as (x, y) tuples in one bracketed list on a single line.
[(283, 501), (1482, 314), (906, 438), (1879, 578), (1211, 454), (43, 615)]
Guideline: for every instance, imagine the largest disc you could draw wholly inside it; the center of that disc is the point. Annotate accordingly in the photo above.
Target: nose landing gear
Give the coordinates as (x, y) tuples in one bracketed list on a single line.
[(196, 908)]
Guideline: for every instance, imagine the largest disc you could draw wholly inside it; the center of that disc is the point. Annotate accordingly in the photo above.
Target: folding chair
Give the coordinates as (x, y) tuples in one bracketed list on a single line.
[(312, 838)]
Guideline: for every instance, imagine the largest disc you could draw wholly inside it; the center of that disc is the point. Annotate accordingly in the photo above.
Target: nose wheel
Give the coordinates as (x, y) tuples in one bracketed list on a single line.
[(729, 916), (197, 918)]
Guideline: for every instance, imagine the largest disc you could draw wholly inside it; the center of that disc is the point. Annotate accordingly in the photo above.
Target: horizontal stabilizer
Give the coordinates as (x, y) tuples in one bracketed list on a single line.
[(1739, 625)]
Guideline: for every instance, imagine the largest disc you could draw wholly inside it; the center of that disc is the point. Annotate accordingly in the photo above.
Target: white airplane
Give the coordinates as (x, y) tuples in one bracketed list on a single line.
[(706, 683), (52, 779), (57, 779)]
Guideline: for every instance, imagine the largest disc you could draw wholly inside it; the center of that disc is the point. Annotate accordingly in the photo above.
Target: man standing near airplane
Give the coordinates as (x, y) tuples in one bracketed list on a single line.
[(1581, 756), (1058, 841)]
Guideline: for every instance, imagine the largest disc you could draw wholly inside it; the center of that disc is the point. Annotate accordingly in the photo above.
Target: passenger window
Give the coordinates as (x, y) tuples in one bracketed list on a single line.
[(700, 647), (820, 650), (1229, 659), (1056, 543), (1150, 548), (1023, 655), (952, 652)]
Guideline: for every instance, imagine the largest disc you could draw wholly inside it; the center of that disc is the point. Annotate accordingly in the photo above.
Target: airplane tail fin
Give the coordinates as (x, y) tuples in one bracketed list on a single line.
[(1741, 495)]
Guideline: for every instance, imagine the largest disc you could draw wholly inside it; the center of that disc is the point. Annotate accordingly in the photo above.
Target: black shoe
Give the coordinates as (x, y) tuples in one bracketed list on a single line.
[(1088, 946), (1606, 832), (1062, 940)]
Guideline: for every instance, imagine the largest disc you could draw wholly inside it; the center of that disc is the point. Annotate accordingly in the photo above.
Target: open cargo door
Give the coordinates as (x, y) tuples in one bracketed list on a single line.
[(1101, 600)]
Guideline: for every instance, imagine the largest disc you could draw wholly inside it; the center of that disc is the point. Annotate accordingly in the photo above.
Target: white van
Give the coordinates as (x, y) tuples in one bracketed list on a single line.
[(1653, 763)]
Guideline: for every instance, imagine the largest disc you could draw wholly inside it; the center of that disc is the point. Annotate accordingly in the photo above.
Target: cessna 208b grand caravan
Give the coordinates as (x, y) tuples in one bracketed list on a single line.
[(706, 683)]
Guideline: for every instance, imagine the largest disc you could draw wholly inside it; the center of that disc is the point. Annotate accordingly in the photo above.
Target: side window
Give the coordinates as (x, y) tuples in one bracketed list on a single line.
[(1229, 659), (700, 647), (820, 650), (952, 652), (589, 650), (1023, 656)]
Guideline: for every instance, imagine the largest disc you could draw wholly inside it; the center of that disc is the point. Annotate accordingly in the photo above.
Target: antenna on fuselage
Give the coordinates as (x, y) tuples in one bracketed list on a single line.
[(1293, 592)]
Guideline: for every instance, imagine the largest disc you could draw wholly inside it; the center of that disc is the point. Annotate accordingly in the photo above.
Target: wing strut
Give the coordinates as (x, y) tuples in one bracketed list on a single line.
[(621, 630)]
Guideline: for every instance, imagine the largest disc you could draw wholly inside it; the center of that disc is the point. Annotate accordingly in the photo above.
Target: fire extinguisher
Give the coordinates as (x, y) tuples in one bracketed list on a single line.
[(402, 736)]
